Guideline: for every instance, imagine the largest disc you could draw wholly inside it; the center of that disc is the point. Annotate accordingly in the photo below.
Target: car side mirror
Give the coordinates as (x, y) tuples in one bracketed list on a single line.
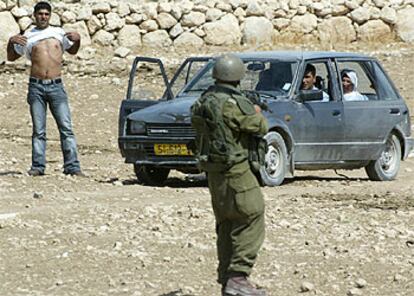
[(256, 67), (310, 95)]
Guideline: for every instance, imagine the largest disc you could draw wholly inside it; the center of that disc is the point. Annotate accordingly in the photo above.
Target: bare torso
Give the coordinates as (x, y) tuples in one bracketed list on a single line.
[(47, 59)]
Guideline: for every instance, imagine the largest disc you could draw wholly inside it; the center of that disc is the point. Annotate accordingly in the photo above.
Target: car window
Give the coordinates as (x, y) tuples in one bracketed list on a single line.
[(202, 81), (264, 75), (148, 82), (356, 81), (386, 90), (272, 76), (191, 69), (316, 77)]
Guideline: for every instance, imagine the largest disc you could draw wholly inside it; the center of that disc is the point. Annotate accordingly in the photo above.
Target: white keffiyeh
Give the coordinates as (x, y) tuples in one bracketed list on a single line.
[(354, 95), (353, 77)]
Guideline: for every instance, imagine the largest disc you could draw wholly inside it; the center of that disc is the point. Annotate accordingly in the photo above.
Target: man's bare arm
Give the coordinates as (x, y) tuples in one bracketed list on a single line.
[(75, 38), (12, 55)]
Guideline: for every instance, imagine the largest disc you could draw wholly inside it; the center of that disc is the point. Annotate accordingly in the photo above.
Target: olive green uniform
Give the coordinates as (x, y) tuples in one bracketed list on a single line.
[(236, 196)]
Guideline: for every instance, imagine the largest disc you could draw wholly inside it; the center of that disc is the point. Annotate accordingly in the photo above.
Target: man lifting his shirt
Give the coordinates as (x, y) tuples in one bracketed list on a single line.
[(44, 46)]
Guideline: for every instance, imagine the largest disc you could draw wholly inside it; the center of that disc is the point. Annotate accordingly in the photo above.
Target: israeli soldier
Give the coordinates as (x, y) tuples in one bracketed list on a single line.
[(225, 120)]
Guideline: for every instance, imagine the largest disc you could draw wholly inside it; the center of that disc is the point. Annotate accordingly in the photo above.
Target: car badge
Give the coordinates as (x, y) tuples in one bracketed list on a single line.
[(158, 131)]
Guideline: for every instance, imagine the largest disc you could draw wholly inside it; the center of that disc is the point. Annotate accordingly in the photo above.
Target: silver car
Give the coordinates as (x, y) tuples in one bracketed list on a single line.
[(315, 122)]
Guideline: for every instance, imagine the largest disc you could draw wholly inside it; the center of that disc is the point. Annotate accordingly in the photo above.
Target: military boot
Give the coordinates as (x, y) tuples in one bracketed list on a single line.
[(240, 286)]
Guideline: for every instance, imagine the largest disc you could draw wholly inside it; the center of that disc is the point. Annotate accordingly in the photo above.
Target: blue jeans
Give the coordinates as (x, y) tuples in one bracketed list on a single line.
[(38, 97)]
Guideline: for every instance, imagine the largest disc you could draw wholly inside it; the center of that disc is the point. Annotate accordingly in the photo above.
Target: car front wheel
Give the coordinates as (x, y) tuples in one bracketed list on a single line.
[(386, 167), (150, 175), (273, 172)]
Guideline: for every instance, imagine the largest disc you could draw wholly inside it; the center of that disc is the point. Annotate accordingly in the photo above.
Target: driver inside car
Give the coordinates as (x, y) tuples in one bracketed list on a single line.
[(309, 81)]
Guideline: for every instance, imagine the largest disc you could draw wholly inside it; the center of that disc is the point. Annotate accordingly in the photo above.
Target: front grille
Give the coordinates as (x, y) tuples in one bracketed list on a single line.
[(168, 131)]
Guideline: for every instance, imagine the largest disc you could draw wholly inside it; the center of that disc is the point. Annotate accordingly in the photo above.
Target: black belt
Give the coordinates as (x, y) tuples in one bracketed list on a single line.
[(45, 81)]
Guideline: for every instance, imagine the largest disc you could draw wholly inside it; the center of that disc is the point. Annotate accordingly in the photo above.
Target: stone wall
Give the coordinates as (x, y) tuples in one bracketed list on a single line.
[(161, 24)]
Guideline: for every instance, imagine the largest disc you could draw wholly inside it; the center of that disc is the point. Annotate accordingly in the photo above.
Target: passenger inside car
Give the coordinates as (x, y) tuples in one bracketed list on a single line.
[(349, 86), (309, 81)]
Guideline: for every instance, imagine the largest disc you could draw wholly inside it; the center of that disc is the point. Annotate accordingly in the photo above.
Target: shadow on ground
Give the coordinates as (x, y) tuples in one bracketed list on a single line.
[(318, 178), (7, 173), (200, 180)]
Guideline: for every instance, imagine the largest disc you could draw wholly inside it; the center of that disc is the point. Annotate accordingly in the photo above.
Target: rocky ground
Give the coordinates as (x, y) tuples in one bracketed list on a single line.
[(327, 233)]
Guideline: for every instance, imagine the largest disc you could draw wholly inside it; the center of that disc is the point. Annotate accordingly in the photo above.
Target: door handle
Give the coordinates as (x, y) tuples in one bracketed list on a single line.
[(336, 112), (395, 111)]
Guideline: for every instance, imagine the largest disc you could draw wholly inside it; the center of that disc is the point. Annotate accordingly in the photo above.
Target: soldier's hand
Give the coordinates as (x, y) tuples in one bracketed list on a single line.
[(73, 36), (257, 108), (18, 39)]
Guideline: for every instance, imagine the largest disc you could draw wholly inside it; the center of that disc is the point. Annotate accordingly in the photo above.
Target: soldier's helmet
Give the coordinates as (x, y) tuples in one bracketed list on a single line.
[(229, 67)]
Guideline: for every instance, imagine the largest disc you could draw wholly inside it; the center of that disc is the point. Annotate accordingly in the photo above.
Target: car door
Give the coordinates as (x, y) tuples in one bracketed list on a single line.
[(140, 94), (317, 126), (152, 121), (368, 122)]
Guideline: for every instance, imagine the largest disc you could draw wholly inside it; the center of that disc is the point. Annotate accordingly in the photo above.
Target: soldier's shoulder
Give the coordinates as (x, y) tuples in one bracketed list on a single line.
[(244, 104), (205, 96)]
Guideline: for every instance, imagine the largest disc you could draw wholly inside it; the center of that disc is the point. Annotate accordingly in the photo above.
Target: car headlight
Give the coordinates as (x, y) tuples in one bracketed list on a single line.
[(137, 127)]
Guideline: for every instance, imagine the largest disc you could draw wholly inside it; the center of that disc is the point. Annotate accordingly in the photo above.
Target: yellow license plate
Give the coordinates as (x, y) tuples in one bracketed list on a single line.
[(171, 149)]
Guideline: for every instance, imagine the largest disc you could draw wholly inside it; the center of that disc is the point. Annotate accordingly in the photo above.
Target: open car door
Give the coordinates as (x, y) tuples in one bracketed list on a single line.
[(144, 88), (154, 123), (143, 85)]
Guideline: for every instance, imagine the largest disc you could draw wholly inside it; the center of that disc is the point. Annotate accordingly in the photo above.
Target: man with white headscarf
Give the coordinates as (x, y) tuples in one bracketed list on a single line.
[(349, 86)]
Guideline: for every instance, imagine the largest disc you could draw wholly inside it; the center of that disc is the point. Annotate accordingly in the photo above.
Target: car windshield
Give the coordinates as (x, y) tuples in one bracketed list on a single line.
[(274, 77)]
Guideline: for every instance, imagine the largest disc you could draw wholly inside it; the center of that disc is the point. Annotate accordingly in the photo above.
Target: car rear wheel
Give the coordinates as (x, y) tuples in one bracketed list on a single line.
[(150, 175), (273, 172), (386, 167)]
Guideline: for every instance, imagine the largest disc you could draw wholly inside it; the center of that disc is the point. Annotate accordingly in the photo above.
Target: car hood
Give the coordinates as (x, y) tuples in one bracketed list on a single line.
[(171, 111)]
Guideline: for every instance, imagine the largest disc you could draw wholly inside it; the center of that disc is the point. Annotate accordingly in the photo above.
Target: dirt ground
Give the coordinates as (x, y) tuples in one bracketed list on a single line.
[(327, 233)]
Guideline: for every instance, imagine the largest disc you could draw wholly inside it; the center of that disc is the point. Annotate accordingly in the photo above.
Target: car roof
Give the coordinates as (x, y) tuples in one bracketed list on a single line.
[(299, 55)]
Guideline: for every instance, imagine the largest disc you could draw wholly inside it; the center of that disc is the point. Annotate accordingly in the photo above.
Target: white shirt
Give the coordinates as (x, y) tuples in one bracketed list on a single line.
[(35, 35), (355, 96)]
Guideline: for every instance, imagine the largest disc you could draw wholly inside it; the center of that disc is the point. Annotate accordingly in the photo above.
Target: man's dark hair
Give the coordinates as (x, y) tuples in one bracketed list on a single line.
[(42, 5), (310, 68)]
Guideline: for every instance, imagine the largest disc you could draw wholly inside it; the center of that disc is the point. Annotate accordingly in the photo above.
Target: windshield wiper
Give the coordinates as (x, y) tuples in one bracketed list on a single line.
[(196, 89)]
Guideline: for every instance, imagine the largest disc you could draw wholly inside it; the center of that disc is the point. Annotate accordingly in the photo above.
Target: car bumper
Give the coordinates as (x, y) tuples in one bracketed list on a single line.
[(140, 150)]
